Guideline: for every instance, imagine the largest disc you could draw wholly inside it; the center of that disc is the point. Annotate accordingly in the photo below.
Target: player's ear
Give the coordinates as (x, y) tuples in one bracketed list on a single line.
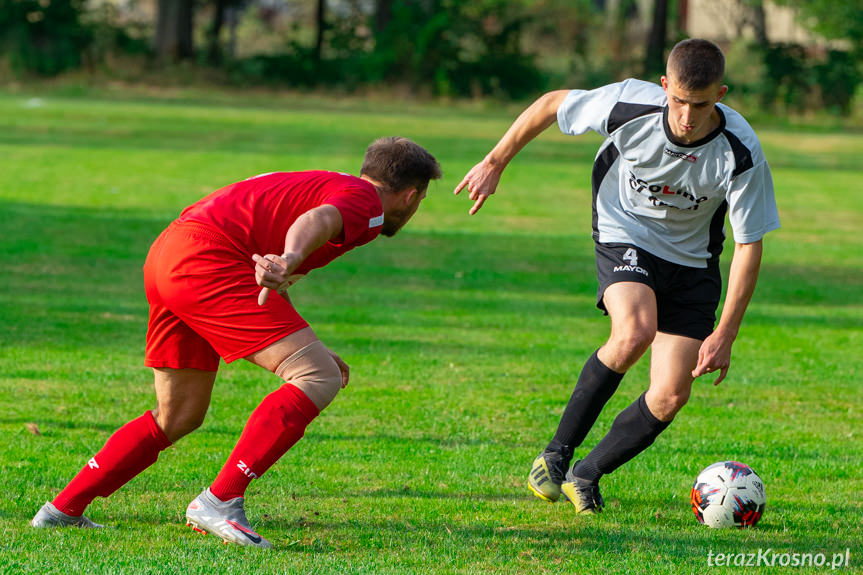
[(722, 91), (409, 195)]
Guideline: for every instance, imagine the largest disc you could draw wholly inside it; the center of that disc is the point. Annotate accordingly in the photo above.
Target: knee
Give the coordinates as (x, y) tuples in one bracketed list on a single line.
[(626, 346), (665, 406), (676, 401), (177, 423), (314, 372)]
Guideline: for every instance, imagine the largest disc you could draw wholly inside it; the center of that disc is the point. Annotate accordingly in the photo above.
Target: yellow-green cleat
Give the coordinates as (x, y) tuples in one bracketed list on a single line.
[(583, 494), (546, 475)]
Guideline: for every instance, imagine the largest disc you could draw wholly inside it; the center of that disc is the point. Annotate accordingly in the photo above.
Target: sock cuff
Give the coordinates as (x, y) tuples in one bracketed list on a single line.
[(162, 441), (558, 447), (608, 373), (654, 422), (306, 406)]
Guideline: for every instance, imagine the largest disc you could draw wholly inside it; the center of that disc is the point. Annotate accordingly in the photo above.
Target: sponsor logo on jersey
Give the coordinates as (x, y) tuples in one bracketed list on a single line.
[(376, 221), (681, 155), (654, 191)]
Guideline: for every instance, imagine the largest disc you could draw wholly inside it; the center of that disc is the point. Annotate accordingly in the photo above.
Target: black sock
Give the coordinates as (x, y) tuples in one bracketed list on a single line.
[(633, 431), (596, 384)]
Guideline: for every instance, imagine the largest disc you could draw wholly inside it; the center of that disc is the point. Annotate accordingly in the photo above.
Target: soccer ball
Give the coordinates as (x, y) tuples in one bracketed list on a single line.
[(728, 494)]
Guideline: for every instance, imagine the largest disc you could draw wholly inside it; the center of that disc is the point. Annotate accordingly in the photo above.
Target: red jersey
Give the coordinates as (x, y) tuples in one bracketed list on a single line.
[(255, 214)]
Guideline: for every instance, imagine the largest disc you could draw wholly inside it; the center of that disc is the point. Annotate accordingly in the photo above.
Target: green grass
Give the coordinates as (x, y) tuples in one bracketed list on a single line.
[(464, 334)]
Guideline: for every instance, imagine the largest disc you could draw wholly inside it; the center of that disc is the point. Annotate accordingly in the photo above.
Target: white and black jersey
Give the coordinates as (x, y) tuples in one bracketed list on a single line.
[(663, 196)]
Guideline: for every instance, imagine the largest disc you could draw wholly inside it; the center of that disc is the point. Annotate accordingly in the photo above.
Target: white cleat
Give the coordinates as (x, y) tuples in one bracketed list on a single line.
[(227, 519), (50, 516)]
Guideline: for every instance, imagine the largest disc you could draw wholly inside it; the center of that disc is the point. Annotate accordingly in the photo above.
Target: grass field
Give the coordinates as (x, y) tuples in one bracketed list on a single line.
[(464, 334)]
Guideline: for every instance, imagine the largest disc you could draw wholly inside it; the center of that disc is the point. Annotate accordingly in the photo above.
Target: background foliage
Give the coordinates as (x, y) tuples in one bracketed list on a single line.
[(506, 49)]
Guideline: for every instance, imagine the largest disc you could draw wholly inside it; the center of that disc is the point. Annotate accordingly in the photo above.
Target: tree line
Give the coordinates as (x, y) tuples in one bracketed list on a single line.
[(481, 48)]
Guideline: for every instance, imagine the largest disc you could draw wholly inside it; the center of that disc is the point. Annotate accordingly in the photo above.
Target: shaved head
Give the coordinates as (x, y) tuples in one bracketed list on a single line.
[(696, 64)]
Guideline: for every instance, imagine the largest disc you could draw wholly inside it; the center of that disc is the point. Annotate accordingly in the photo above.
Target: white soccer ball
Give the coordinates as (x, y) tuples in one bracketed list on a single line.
[(728, 494)]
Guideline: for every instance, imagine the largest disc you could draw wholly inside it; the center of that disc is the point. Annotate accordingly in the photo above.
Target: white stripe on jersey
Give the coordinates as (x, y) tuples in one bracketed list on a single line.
[(261, 175)]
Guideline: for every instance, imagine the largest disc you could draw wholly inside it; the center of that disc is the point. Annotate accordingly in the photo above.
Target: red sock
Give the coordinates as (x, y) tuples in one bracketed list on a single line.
[(132, 449), (273, 428)]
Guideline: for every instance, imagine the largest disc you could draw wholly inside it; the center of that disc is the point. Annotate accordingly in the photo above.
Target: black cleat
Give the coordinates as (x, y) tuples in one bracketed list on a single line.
[(583, 494)]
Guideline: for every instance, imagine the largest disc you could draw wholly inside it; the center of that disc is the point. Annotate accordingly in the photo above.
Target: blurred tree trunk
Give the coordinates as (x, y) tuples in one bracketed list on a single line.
[(751, 15), (320, 24), (681, 19), (214, 49), (174, 23), (654, 60), (759, 22), (624, 13), (383, 14)]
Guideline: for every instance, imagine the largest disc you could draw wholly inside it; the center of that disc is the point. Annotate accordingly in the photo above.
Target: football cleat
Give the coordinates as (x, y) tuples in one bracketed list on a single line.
[(50, 516), (546, 475), (583, 494), (226, 519)]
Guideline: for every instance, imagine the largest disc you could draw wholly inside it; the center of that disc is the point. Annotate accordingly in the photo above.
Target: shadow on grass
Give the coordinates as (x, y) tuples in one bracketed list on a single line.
[(75, 271), (586, 536), (51, 426)]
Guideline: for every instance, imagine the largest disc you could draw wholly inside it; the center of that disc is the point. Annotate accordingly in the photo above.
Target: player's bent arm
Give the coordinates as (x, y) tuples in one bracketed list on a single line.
[(531, 123), (481, 181), (308, 232), (742, 278)]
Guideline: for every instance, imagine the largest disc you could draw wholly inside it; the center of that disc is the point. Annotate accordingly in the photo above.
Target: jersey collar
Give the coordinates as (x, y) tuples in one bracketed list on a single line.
[(719, 129)]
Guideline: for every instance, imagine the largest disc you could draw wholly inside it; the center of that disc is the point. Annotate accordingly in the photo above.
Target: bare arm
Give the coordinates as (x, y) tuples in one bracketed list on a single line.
[(481, 181), (308, 232), (715, 352)]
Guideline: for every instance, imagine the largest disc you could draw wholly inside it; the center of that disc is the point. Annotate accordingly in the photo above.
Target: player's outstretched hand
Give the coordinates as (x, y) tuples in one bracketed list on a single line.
[(343, 367), (271, 272), (714, 354), (481, 181)]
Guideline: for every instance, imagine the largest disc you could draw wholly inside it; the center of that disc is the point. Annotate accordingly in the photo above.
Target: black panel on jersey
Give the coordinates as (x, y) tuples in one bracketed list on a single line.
[(601, 167), (742, 155), (623, 112), (717, 236)]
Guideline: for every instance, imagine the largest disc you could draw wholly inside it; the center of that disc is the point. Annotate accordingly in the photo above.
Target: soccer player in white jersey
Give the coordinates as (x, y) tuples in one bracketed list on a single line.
[(673, 163)]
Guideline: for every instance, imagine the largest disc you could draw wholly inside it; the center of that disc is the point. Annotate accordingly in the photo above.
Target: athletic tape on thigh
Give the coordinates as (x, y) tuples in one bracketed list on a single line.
[(314, 371)]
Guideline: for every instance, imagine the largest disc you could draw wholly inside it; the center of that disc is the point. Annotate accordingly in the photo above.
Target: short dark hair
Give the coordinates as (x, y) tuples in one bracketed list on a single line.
[(696, 64), (398, 163)]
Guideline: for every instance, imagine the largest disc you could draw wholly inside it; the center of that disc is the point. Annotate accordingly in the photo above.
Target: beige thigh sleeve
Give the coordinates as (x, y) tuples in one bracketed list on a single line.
[(314, 371)]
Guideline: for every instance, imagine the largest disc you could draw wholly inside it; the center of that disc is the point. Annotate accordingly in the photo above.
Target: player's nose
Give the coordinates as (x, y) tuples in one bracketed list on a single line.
[(685, 114)]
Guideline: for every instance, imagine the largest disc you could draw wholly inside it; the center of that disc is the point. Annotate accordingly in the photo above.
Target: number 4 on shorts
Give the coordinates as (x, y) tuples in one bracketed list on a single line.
[(631, 256)]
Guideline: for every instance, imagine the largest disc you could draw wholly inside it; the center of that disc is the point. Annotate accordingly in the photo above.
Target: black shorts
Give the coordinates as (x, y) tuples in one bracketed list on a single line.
[(686, 297)]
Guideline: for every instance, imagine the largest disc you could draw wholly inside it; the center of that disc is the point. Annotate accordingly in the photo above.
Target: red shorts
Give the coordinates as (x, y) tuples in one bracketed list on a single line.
[(204, 301)]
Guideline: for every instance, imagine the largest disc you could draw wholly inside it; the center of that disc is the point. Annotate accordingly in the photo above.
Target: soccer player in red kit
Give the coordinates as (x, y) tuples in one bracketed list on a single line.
[(207, 279)]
